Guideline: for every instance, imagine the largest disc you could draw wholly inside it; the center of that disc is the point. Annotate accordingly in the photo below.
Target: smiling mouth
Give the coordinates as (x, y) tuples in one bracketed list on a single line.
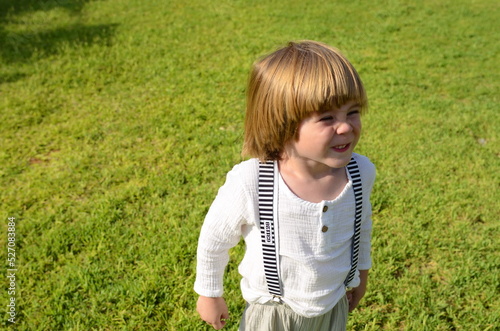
[(341, 148)]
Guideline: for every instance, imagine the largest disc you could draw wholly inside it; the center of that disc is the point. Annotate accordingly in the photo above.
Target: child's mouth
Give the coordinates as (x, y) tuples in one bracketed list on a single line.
[(341, 148)]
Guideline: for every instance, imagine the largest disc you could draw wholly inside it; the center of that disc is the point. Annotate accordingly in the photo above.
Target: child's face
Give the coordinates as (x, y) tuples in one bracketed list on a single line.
[(327, 139)]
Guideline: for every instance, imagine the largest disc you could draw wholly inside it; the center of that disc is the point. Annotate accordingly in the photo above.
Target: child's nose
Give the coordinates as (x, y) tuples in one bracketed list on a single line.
[(343, 127)]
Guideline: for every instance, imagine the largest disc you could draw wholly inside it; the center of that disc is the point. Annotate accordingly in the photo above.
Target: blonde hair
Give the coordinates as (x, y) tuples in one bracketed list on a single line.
[(287, 85)]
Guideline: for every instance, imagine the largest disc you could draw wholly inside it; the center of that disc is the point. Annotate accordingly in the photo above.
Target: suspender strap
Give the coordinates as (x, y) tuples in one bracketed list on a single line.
[(268, 224), (267, 227), (353, 169)]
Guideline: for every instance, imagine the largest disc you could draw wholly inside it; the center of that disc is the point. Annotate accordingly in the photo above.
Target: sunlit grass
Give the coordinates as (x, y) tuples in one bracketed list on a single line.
[(120, 119)]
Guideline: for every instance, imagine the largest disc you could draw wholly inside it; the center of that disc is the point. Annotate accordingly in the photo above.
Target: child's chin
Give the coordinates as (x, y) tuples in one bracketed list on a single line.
[(339, 164)]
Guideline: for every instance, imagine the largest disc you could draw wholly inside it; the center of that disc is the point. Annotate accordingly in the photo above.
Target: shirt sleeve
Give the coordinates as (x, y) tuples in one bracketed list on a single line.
[(221, 231), (367, 170)]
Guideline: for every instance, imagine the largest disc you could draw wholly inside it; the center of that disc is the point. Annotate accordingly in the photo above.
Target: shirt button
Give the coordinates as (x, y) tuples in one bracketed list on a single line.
[(325, 208), (324, 228)]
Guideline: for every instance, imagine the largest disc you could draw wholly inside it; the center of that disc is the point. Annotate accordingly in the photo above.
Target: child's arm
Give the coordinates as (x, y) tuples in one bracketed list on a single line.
[(355, 295), (213, 311), (221, 230)]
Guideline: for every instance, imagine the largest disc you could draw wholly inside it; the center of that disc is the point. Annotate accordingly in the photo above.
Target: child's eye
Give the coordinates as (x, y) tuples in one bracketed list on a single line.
[(326, 118), (353, 112)]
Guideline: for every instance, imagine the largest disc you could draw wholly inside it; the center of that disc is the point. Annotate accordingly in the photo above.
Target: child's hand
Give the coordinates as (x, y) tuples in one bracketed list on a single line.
[(213, 311), (355, 295)]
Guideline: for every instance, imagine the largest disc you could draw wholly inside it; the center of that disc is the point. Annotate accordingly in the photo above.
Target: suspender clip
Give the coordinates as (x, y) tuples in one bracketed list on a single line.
[(277, 298)]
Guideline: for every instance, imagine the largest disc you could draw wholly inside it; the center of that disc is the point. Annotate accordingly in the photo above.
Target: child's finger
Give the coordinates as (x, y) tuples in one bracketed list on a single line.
[(218, 325), (221, 322)]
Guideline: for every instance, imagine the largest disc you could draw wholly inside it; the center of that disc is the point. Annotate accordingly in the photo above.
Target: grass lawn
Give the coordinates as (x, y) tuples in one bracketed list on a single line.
[(120, 118)]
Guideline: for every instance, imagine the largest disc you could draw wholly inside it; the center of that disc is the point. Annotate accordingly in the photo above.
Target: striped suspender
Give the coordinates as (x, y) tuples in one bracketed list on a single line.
[(268, 226), (353, 169)]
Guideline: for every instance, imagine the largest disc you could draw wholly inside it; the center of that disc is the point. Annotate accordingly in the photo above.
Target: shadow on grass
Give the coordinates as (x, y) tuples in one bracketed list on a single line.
[(19, 47), (18, 7), (9, 78)]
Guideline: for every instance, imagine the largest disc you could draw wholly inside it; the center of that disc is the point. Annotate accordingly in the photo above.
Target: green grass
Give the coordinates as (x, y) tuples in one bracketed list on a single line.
[(120, 118)]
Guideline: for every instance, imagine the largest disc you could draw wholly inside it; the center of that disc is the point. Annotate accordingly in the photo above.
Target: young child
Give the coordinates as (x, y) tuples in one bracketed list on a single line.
[(304, 106)]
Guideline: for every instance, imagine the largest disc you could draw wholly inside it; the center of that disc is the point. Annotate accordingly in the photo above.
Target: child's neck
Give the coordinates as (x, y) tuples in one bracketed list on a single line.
[(312, 182)]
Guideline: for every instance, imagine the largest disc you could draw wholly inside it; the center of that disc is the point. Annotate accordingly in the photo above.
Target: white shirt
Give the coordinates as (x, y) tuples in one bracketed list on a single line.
[(314, 241)]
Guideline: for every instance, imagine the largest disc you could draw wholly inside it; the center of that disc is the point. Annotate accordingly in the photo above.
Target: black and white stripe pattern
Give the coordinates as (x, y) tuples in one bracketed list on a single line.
[(267, 228), (353, 169), (267, 224)]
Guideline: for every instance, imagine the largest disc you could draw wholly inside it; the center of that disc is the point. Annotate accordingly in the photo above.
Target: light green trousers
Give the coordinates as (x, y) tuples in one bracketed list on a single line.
[(280, 317)]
